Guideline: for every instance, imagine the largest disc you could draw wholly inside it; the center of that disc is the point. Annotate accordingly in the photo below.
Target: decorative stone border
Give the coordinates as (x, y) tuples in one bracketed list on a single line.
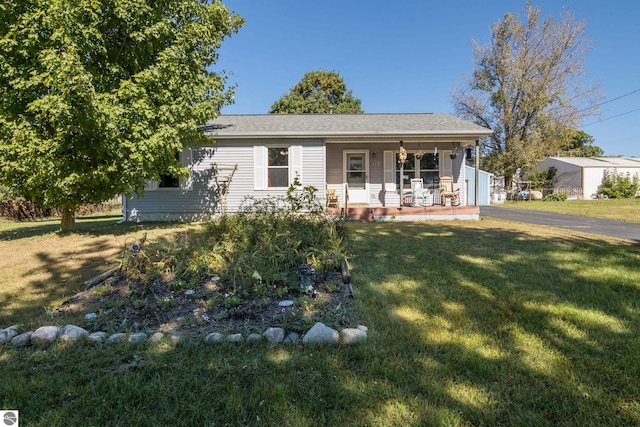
[(318, 334)]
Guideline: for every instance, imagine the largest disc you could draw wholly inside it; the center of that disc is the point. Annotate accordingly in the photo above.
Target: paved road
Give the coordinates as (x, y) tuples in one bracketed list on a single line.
[(603, 227)]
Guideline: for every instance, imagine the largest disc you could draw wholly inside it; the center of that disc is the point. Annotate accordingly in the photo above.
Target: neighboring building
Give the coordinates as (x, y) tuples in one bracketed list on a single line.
[(585, 173), (357, 153)]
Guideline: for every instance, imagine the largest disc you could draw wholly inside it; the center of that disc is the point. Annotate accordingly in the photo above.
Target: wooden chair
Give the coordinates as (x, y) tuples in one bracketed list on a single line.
[(332, 198), (447, 192)]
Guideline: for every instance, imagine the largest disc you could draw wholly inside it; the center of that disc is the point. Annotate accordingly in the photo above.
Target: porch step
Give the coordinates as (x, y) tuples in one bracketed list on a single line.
[(413, 213)]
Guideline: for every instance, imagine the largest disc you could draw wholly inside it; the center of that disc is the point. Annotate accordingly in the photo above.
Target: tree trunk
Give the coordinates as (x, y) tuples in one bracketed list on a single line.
[(68, 222)]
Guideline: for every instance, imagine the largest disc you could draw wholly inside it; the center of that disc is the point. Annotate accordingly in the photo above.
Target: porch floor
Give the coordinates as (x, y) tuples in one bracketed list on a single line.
[(408, 213)]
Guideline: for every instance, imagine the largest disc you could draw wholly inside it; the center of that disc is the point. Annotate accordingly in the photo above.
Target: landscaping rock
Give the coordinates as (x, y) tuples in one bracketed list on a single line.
[(73, 332), (157, 337), (22, 339), (7, 334), (177, 337), (292, 338), (45, 335), (363, 328), (97, 336), (352, 335), (274, 335), (253, 338), (234, 337), (137, 337), (119, 337), (321, 334), (213, 337)]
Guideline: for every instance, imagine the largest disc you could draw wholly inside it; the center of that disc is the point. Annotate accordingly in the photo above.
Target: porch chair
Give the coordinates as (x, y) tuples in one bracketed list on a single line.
[(448, 192), (332, 198)]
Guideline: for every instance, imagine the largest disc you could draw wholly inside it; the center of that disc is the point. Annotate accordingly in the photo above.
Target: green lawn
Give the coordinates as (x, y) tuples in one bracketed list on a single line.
[(616, 209), (39, 268), (470, 323)]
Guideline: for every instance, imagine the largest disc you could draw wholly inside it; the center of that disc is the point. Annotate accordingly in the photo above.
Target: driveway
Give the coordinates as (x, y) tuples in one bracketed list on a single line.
[(603, 227)]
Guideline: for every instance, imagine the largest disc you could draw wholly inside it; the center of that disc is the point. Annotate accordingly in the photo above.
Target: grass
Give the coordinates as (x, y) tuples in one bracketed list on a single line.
[(40, 268), (616, 209), (470, 323)]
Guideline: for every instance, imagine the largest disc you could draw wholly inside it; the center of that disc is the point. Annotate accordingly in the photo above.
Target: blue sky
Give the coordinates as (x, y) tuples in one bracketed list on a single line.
[(404, 56)]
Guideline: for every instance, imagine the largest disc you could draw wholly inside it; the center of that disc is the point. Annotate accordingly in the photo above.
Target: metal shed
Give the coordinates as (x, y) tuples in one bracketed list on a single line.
[(586, 173)]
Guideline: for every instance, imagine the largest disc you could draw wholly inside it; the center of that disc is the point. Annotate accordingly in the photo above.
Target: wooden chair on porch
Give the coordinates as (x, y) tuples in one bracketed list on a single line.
[(332, 198), (447, 192)]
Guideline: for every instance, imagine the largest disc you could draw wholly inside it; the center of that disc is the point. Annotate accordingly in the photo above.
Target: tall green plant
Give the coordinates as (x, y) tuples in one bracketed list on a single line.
[(618, 185)]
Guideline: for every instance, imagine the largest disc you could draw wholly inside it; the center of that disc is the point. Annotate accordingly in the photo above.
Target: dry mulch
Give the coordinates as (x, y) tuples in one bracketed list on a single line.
[(122, 304)]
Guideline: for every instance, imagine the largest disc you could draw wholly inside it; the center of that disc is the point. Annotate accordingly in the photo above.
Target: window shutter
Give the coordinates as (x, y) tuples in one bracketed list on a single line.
[(259, 167), (446, 165), (150, 185), (295, 163), (389, 173), (186, 158)]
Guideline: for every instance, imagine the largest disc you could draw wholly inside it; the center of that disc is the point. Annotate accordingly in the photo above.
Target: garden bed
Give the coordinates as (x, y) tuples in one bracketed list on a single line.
[(168, 305)]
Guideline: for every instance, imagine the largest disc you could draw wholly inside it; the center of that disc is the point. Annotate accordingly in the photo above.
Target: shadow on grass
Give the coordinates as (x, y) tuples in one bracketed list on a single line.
[(58, 269), (94, 225), (468, 325)]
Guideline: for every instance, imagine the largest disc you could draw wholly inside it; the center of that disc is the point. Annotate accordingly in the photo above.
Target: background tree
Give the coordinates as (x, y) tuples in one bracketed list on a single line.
[(528, 87), (581, 145), (97, 96), (318, 92)]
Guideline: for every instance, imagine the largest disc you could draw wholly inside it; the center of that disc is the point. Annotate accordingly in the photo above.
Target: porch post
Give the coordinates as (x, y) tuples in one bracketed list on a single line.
[(402, 156), (477, 166)]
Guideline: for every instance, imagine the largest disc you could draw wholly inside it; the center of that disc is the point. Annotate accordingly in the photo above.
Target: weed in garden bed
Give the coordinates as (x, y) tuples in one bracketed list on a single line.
[(232, 275)]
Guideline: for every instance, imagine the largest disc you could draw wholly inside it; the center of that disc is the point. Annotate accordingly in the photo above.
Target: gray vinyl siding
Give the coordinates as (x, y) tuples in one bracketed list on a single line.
[(201, 200)]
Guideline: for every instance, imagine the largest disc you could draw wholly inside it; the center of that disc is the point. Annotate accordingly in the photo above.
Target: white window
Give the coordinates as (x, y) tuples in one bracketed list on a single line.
[(276, 166), (425, 167), (170, 182)]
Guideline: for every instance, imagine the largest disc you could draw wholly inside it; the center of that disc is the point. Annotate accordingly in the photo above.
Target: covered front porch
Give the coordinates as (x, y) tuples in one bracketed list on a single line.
[(389, 178)]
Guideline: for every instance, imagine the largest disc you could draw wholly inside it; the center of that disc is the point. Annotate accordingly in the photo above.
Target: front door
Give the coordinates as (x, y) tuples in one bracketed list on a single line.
[(356, 175)]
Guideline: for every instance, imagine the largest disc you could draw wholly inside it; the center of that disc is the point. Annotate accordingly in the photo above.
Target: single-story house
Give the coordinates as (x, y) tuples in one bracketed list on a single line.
[(354, 154), (583, 175)]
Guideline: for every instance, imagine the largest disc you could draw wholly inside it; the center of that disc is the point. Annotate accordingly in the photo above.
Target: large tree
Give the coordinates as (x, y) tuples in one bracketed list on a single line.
[(528, 86), (582, 145), (318, 92), (97, 96)]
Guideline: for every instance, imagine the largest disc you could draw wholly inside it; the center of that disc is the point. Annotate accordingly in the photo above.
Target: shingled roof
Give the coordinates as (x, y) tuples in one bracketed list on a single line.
[(341, 125)]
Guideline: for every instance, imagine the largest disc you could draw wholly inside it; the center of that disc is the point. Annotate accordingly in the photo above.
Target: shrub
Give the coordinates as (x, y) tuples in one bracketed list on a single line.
[(23, 210), (542, 179), (555, 197), (618, 185), (257, 252)]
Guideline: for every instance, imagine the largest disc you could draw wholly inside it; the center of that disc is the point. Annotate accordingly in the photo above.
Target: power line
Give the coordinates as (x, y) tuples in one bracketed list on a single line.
[(620, 97), (612, 117), (610, 100)]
